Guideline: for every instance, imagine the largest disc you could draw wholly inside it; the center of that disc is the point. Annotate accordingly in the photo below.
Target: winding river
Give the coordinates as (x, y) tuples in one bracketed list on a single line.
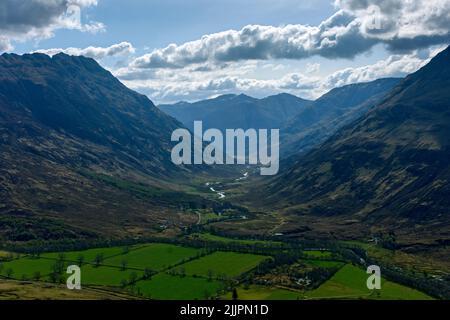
[(221, 194)]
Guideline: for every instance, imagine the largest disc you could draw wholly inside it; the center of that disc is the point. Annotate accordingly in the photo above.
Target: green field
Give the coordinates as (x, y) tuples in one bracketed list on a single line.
[(230, 264), (167, 287), (350, 283), (88, 255), (207, 215), (317, 254), (324, 263), (212, 237), (106, 276), (27, 267), (90, 275), (412, 262), (201, 277), (155, 256), (264, 293)]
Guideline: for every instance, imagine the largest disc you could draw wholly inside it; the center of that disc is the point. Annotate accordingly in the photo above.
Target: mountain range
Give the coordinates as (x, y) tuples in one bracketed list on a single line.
[(238, 111), (303, 123), (82, 156), (389, 170)]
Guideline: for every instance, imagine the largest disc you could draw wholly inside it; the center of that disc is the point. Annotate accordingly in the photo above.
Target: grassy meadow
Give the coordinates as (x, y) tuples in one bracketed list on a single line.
[(350, 283), (178, 272), (168, 287), (230, 264), (212, 237), (155, 256)]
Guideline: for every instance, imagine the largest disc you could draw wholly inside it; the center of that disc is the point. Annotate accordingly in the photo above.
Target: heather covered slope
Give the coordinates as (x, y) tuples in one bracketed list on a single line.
[(390, 170), (74, 97), (337, 108), (81, 154)]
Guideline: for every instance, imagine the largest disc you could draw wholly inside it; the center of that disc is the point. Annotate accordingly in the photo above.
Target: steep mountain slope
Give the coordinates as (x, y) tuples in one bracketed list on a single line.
[(75, 97), (390, 170), (332, 111), (238, 111), (67, 127)]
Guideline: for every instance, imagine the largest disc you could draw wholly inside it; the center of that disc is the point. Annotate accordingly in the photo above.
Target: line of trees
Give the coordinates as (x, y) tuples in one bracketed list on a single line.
[(436, 288)]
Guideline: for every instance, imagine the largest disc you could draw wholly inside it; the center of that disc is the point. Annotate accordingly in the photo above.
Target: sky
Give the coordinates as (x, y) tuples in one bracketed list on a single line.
[(175, 50)]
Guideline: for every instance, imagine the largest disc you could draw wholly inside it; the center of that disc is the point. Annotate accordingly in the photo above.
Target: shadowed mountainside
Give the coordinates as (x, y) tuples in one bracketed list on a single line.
[(390, 170), (80, 153), (317, 122), (303, 124)]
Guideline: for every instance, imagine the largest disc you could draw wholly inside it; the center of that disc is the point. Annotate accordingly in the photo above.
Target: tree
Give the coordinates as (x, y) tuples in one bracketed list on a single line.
[(54, 277), (35, 254), (98, 259), (210, 275), (147, 273), (58, 267), (37, 276), (133, 278), (9, 272), (235, 294), (124, 264), (80, 260)]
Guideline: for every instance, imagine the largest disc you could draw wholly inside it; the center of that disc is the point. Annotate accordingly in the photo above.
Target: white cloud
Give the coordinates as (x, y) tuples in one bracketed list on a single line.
[(120, 49), (5, 45), (336, 37), (253, 60), (235, 61), (354, 29), (173, 85), (312, 68), (166, 87), (38, 19), (393, 66), (403, 24)]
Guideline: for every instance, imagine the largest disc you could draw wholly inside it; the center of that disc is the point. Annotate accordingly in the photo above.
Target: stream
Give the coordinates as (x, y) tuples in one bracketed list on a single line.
[(221, 194)]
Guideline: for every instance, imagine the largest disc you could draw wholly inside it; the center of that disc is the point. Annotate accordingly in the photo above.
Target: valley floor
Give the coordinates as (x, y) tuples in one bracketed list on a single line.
[(199, 266)]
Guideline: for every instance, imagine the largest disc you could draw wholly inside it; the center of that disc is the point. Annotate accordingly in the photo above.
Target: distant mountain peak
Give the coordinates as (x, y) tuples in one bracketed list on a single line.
[(285, 95), (237, 111), (182, 102), (244, 96)]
